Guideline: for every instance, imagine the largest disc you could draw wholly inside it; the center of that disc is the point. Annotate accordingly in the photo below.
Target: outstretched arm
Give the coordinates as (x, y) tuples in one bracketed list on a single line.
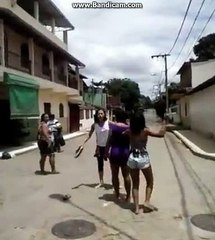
[(158, 134), (90, 133)]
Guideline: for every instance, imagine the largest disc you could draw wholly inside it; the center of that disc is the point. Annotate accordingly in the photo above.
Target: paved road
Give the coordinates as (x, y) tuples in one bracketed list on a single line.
[(184, 186)]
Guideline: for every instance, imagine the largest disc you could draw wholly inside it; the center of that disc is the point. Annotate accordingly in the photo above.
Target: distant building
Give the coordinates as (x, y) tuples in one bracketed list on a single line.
[(35, 65)]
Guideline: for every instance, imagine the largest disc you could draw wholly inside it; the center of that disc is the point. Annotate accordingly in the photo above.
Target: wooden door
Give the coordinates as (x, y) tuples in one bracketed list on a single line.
[(74, 117)]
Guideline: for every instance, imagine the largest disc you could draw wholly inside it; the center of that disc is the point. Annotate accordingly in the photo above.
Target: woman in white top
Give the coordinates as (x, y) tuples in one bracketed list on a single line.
[(101, 128)]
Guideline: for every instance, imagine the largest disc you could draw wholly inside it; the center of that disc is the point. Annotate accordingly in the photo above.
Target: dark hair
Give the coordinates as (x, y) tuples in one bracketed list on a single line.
[(137, 122), (121, 115), (96, 120), (42, 117), (52, 116)]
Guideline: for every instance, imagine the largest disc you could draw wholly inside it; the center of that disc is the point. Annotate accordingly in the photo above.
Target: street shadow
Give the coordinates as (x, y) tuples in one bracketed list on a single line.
[(183, 197), (93, 185), (59, 197), (200, 185), (38, 172), (123, 204)]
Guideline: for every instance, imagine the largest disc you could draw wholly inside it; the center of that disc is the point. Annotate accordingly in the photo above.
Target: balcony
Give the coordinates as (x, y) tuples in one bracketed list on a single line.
[(15, 61), (72, 82), (60, 77)]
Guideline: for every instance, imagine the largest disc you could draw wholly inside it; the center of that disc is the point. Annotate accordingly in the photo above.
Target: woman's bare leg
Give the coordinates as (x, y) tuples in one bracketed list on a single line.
[(127, 181), (135, 187), (149, 186), (115, 179), (52, 162), (42, 163)]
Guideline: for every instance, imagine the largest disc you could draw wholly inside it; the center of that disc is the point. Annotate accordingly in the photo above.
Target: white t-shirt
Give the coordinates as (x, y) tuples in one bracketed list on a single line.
[(102, 133)]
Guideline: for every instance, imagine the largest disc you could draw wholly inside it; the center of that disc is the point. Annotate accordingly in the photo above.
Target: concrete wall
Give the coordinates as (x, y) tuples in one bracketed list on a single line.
[(202, 71), (202, 111), (31, 21), (86, 123), (55, 99), (184, 106)]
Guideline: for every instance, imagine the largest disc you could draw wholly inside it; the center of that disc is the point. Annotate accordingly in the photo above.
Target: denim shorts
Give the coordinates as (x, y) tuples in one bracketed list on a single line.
[(140, 161)]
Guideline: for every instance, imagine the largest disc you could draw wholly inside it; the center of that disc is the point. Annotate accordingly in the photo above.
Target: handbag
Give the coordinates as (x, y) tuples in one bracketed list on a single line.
[(61, 140), (138, 159)]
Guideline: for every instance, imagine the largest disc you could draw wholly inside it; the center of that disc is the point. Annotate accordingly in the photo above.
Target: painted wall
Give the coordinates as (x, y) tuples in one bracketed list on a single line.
[(55, 100), (202, 112), (184, 111), (202, 71), (86, 123), (96, 99)]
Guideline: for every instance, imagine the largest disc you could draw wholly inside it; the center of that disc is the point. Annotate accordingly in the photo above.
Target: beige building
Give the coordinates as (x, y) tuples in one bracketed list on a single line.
[(35, 65)]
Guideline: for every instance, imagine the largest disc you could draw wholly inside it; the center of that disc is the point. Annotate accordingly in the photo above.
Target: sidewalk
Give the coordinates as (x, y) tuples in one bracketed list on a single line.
[(198, 144), (30, 146)]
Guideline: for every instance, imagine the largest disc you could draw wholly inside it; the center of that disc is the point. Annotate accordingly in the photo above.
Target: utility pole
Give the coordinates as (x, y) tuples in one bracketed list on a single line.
[(164, 56)]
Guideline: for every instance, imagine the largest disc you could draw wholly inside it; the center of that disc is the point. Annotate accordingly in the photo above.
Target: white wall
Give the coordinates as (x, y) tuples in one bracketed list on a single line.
[(202, 111), (86, 123), (202, 71)]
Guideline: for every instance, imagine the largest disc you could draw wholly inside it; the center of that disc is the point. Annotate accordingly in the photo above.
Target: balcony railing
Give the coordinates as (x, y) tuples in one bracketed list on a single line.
[(60, 77), (73, 82), (42, 71), (17, 62)]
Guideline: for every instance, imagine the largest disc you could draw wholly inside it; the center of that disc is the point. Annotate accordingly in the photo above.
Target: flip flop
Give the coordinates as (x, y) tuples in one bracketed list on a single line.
[(78, 151)]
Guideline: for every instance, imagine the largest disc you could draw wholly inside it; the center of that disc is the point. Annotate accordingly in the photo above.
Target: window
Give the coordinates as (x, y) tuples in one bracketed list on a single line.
[(81, 114), (47, 108), (87, 114), (24, 55), (45, 65), (61, 110)]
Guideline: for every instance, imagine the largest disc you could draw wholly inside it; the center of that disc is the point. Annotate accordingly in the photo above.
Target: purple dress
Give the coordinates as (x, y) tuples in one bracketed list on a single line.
[(119, 145)]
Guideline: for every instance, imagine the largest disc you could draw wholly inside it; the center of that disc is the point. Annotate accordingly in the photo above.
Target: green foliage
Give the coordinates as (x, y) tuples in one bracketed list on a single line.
[(128, 91), (205, 49)]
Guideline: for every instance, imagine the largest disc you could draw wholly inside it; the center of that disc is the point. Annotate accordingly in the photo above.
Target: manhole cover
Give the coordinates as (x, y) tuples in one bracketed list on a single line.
[(204, 221), (74, 229)]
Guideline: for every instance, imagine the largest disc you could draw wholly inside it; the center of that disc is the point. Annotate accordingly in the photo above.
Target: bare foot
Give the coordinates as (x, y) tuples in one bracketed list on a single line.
[(137, 211), (99, 185), (150, 206)]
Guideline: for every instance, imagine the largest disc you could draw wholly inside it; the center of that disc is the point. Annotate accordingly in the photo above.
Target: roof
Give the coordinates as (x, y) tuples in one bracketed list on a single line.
[(48, 10), (210, 82), (185, 65), (73, 72), (26, 29)]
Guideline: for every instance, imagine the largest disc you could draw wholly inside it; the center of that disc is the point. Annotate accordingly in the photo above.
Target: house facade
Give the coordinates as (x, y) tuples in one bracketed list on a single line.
[(35, 65), (196, 105)]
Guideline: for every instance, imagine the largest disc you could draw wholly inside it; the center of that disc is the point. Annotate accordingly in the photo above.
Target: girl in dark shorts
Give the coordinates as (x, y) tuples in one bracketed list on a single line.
[(46, 144), (118, 148)]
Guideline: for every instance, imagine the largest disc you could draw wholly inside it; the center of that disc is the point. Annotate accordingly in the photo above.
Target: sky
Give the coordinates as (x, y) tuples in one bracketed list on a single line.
[(118, 43)]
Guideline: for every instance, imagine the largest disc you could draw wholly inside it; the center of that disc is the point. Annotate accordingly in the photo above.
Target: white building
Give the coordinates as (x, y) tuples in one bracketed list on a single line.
[(196, 107)]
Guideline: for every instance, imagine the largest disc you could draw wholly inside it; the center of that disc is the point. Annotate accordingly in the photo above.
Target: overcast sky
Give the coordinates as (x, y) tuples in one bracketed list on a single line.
[(119, 43)]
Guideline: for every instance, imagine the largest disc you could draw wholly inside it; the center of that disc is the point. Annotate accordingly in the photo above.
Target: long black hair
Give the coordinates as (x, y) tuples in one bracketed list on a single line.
[(121, 115), (137, 122), (42, 117), (96, 120)]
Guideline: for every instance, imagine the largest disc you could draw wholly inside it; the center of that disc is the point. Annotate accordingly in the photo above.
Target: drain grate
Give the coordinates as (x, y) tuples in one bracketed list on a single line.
[(73, 229), (204, 221)]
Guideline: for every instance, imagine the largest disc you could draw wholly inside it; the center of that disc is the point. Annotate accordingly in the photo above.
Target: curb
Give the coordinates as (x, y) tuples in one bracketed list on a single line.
[(193, 148), (34, 145)]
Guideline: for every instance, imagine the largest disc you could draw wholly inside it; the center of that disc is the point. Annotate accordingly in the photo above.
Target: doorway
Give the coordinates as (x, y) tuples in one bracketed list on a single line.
[(74, 118)]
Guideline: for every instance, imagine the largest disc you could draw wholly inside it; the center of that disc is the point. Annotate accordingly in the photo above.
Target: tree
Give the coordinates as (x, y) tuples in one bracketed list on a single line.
[(128, 91), (205, 49)]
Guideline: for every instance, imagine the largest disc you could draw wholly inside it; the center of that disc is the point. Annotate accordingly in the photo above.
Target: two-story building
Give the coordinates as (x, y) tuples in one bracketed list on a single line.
[(196, 104), (35, 65)]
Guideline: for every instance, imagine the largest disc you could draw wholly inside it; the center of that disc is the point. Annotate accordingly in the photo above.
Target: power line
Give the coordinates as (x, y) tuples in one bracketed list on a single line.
[(188, 35), (201, 33), (182, 24)]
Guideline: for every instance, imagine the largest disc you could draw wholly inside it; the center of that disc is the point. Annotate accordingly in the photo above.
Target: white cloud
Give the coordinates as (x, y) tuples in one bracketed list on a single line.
[(119, 43)]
